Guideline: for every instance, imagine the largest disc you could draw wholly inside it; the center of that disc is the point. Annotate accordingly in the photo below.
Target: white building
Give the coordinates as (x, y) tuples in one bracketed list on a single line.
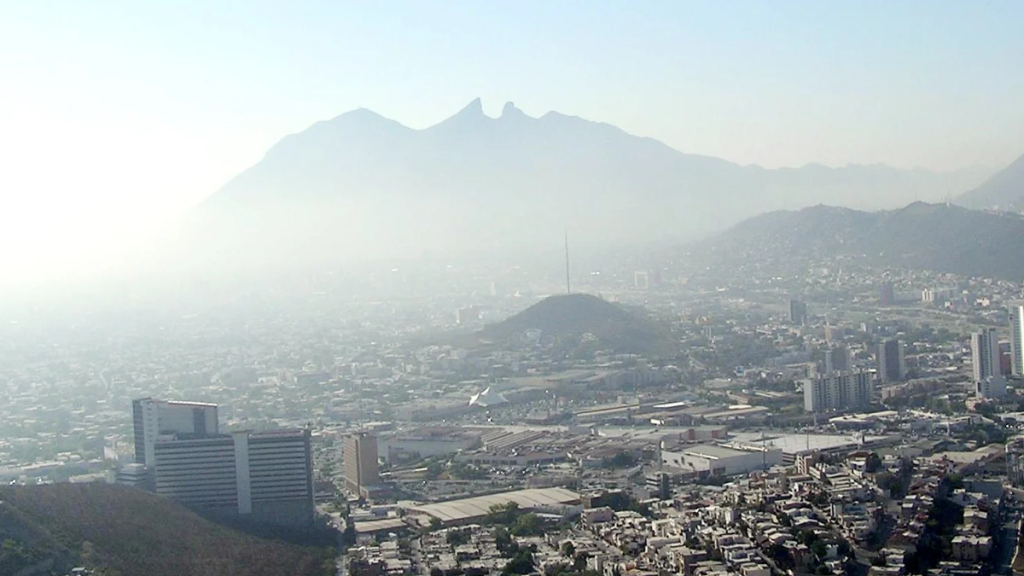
[(937, 295), (267, 477), (1017, 339), (839, 391), (155, 418), (718, 460), (427, 442), (985, 354)]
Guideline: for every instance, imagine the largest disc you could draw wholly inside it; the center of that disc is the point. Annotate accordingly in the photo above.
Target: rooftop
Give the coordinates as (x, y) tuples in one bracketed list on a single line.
[(460, 510)]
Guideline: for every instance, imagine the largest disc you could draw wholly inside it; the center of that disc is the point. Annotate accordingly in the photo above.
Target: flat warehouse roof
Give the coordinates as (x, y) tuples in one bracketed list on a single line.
[(456, 510)]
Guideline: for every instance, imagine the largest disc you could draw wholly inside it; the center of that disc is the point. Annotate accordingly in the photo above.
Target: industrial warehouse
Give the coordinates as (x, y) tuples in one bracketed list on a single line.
[(469, 510)]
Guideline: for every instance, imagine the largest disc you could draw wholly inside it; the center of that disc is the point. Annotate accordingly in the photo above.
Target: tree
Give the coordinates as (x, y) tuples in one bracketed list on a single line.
[(819, 549), (844, 548), (568, 549), (889, 482), (503, 513), (521, 563), (435, 524), (502, 540), (806, 537), (348, 537), (621, 459), (781, 556), (580, 563), (457, 538), (527, 525)]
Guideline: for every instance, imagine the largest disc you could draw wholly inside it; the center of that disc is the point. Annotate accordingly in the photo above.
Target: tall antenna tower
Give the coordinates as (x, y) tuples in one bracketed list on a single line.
[(568, 286)]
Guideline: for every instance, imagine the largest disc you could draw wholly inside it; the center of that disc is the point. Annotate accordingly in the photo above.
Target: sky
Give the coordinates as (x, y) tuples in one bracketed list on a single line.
[(117, 116)]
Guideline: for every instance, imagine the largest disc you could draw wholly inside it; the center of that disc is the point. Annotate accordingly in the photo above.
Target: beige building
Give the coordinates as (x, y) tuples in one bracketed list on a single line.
[(360, 462)]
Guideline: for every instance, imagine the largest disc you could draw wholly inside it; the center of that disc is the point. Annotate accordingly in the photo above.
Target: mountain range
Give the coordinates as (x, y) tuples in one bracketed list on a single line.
[(1003, 190), (363, 185), (938, 237)]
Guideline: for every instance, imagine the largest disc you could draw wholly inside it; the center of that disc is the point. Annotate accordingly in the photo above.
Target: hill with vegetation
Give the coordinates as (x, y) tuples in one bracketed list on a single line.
[(121, 531), (937, 237), (574, 316)]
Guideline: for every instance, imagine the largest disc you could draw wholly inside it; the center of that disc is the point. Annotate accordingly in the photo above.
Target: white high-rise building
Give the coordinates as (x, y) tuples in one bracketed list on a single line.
[(839, 391), (266, 477), (155, 418), (1017, 339), (985, 354)]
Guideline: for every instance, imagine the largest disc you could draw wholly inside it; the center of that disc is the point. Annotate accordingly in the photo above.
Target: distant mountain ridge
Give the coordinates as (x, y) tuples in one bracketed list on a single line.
[(1004, 190), (938, 237), (363, 184)]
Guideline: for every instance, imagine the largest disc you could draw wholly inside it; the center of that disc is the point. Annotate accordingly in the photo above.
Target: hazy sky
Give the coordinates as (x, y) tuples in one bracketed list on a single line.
[(116, 116)]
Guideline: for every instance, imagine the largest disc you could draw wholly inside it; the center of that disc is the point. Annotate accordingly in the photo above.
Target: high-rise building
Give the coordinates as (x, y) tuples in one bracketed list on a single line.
[(797, 312), (834, 334), (1017, 340), (360, 455), (155, 418), (985, 354), (641, 280), (839, 391), (264, 477), (991, 387), (836, 359), (886, 294), (890, 361), (659, 485)]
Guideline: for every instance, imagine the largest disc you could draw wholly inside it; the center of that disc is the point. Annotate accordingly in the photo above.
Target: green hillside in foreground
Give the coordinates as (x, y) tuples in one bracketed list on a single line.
[(126, 532)]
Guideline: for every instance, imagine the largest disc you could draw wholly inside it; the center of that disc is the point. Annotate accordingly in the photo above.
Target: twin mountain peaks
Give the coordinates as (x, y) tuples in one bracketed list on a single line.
[(361, 185)]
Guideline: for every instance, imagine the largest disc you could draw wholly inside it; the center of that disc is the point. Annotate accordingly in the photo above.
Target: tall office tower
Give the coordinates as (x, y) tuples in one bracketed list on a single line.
[(985, 354), (264, 477), (641, 280), (834, 334), (1017, 340), (154, 418), (886, 294), (360, 454), (797, 312), (836, 359), (890, 362), (838, 391)]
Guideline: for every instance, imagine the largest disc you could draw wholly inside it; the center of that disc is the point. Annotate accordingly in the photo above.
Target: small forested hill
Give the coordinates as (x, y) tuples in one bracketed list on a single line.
[(573, 315), (126, 532)]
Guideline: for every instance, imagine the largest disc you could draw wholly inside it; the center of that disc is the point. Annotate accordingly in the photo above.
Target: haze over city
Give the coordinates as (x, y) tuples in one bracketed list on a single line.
[(511, 288), (119, 117)]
